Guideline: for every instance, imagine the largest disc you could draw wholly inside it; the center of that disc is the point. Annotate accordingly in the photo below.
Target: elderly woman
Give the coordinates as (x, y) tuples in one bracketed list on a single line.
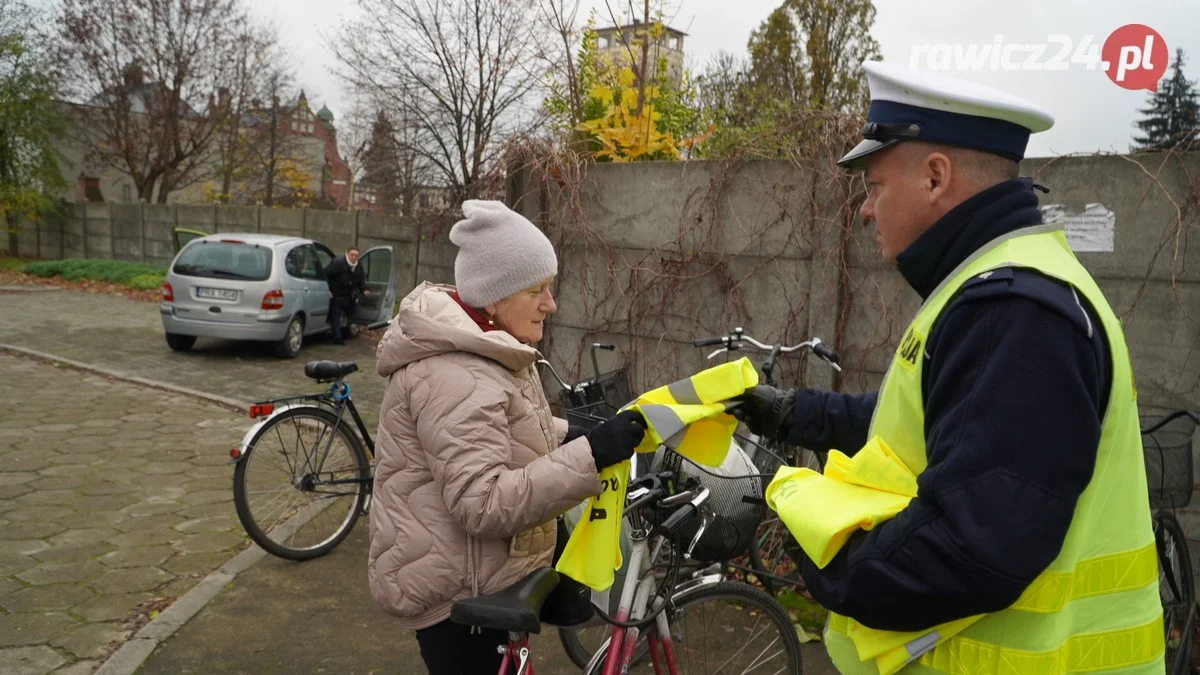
[(472, 468)]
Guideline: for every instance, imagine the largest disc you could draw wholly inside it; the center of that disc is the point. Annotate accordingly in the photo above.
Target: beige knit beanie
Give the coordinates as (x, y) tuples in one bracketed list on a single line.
[(499, 253)]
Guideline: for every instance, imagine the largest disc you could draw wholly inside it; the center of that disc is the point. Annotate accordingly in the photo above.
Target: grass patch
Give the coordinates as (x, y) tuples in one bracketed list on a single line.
[(135, 275), (803, 611), (12, 264)]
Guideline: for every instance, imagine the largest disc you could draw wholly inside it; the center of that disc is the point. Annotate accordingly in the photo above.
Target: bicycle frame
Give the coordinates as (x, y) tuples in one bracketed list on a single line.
[(516, 652), (634, 603)]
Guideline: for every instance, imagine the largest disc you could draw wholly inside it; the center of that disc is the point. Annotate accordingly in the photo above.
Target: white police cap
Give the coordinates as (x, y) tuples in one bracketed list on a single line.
[(908, 104)]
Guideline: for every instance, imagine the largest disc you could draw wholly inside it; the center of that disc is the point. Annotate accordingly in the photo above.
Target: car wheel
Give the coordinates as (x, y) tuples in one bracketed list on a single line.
[(289, 346), (180, 343)]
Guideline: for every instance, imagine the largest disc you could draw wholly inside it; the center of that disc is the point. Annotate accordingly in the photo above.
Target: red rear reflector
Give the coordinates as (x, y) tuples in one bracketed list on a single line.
[(168, 294), (235, 453), (273, 300), (261, 410)]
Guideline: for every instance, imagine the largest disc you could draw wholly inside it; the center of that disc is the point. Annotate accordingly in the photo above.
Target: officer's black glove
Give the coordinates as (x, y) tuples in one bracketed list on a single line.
[(573, 432), (614, 439), (768, 411)]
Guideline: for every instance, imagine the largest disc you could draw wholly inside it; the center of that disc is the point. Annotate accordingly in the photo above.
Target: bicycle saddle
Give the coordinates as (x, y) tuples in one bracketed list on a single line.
[(514, 609), (329, 370)]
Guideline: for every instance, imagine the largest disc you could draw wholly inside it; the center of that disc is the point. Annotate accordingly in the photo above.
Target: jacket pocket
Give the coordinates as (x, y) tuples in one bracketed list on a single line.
[(520, 545)]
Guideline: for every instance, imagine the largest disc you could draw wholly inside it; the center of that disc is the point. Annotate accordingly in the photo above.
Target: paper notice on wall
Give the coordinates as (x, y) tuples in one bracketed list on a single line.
[(1092, 231)]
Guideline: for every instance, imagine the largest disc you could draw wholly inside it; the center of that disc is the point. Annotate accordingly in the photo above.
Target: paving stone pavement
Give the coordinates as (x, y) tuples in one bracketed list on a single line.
[(111, 495), (127, 336)]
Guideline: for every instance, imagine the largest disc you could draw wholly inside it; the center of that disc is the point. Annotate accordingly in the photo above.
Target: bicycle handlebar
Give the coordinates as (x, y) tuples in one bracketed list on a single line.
[(656, 491), (738, 337)]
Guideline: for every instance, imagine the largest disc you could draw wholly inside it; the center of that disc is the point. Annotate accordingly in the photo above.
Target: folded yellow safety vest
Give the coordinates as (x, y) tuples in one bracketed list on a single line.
[(690, 417), (823, 510)]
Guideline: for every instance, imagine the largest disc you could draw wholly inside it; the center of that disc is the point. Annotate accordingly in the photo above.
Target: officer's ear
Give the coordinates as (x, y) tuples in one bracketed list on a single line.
[(939, 171)]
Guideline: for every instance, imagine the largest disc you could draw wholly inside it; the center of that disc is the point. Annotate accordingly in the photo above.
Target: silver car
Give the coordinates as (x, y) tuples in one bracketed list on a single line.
[(263, 287)]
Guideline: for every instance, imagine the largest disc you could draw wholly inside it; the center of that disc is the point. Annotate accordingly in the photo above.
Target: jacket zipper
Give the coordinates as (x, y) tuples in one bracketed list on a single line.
[(472, 572)]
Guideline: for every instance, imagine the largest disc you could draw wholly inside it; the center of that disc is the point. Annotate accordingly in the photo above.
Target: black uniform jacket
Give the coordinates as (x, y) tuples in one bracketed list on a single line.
[(343, 281), (1015, 382)]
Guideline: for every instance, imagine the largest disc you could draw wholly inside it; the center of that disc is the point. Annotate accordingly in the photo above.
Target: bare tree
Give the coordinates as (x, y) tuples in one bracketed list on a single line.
[(271, 151), (147, 72), (254, 76), (461, 71)]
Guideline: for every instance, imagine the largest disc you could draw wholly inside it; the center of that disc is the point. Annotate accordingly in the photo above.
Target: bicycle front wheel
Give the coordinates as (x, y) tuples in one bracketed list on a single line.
[(731, 628), (301, 484)]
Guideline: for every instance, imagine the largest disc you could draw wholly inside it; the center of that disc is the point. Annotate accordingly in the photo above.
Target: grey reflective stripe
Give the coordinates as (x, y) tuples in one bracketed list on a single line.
[(919, 646), (675, 439), (664, 420), (684, 391)]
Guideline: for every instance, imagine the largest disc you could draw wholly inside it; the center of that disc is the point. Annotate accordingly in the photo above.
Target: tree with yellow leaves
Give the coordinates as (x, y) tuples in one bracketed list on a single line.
[(622, 133)]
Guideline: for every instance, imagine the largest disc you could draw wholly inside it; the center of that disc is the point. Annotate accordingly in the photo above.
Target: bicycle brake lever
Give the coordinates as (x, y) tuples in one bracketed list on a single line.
[(719, 351)]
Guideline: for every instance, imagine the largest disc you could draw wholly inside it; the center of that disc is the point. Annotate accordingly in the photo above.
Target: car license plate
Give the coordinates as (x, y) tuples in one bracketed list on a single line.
[(216, 294)]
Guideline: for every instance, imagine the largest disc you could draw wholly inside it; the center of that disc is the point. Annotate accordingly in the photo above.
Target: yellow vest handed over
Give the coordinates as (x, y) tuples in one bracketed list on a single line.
[(690, 417), (1096, 608)]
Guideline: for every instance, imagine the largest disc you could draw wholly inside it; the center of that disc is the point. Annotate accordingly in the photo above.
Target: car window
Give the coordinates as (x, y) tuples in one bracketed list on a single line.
[(376, 267), (324, 257), (224, 259), (302, 263)]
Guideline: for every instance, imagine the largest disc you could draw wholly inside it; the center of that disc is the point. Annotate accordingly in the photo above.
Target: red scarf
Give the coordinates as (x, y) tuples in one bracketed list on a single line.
[(477, 316)]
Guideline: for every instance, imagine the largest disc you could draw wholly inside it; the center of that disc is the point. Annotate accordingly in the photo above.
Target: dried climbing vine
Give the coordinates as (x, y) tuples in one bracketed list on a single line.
[(723, 262), (775, 247)]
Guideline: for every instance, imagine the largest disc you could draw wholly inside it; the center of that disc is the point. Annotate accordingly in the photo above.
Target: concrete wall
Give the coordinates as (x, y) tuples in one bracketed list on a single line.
[(655, 254), (769, 246)]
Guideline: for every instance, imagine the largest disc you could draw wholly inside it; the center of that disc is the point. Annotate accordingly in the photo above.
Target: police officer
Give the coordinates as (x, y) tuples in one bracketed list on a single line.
[(1011, 397)]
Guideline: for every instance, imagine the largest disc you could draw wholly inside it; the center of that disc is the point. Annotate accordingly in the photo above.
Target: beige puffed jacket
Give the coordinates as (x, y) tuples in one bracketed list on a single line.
[(469, 473)]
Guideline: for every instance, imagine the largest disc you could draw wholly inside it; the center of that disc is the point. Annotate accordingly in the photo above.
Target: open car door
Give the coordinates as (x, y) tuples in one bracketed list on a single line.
[(379, 272), (181, 236)]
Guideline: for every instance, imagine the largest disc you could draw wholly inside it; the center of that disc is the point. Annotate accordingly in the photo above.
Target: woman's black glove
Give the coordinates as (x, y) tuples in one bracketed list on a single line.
[(614, 439), (573, 432)]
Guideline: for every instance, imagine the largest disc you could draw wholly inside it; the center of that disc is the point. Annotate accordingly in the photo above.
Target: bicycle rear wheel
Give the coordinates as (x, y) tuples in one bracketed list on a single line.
[(1176, 587), (729, 628), (301, 483)]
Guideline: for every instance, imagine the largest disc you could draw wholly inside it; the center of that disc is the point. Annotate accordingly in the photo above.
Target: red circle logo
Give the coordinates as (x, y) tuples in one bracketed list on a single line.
[(1135, 57)]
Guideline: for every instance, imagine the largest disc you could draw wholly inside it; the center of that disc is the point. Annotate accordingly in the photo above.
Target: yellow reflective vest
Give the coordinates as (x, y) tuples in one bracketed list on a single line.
[(690, 417), (1096, 608)]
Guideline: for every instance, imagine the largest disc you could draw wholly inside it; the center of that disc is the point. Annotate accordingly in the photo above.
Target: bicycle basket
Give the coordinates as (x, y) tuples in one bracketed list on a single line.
[(595, 400), (1169, 463), (736, 504)]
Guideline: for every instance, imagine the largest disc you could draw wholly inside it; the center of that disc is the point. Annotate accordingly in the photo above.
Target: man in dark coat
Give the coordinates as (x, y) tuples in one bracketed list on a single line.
[(344, 277)]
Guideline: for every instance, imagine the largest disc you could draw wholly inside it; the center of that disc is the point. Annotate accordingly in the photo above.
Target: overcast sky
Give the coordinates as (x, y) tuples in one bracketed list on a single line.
[(1091, 113)]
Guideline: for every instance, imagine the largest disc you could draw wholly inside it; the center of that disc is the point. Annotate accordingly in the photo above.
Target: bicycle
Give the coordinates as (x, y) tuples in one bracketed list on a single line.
[(662, 592), (773, 554), (1167, 444), (586, 404), (323, 472)]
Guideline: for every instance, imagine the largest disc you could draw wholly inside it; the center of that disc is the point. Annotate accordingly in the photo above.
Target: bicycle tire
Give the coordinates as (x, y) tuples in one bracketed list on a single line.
[(581, 655), (744, 597), (1176, 587), (260, 533)]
